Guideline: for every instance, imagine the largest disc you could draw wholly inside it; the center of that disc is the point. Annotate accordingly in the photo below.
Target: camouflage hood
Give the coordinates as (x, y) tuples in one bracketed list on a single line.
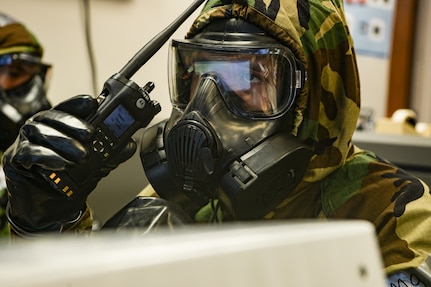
[(328, 107)]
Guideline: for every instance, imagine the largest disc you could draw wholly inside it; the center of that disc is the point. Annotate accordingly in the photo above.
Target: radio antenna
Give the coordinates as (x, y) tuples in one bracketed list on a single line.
[(146, 52)]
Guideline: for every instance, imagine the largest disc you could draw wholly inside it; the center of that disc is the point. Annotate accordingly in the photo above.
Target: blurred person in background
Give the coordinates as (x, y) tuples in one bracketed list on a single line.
[(23, 86)]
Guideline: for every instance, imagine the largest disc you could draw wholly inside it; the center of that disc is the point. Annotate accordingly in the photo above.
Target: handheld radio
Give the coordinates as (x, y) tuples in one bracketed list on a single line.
[(124, 108)]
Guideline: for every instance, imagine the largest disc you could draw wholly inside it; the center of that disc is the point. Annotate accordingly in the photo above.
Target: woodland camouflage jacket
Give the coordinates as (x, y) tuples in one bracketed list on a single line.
[(342, 181), (4, 230)]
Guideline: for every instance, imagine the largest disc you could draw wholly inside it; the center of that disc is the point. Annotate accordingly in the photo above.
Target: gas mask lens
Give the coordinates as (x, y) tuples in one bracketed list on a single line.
[(255, 82), (23, 83), (20, 68)]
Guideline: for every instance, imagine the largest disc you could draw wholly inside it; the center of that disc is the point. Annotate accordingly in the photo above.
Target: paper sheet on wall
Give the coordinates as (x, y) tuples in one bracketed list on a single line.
[(371, 25)]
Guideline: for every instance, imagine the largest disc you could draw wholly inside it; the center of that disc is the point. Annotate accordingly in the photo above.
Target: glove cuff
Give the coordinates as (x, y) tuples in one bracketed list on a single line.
[(19, 230)]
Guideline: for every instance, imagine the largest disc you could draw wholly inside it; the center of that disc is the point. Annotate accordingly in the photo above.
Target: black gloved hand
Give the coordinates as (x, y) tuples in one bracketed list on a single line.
[(146, 214), (55, 139)]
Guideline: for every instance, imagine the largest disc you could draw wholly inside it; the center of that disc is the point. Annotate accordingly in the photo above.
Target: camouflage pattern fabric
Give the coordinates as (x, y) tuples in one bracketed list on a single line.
[(15, 38), (342, 181), (4, 229)]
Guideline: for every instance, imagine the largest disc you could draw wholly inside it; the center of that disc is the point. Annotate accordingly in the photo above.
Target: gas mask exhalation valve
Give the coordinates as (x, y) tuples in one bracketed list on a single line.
[(191, 148)]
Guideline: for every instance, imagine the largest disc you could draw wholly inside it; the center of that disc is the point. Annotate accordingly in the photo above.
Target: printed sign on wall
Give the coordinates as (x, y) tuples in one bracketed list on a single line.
[(371, 25)]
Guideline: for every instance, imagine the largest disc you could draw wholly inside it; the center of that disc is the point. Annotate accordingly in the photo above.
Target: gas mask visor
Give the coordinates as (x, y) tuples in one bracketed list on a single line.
[(23, 84), (259, 81), (24, 81), (21, 67)]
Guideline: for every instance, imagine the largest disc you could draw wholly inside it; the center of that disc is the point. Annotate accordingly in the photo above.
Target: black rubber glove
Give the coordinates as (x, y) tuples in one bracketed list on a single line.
[(55, 139), (148, 214)]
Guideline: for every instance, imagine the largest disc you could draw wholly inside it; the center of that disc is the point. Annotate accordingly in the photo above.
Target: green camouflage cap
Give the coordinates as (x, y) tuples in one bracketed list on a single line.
[(16, 38)]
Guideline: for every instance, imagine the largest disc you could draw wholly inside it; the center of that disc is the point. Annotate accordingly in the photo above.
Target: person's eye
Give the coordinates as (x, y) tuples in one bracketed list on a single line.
[(251, 78), (14, 74)]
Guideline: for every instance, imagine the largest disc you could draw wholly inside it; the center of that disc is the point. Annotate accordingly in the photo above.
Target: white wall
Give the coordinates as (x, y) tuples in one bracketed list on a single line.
[(374, 77)]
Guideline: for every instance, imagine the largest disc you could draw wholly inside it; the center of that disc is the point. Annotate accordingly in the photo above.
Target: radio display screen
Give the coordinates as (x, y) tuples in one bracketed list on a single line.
[(119, 120)]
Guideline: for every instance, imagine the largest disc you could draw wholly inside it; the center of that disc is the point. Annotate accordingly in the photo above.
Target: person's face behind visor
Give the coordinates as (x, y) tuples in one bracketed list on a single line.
[(17, 69), (23, 84), (257, 82), (249, 77)]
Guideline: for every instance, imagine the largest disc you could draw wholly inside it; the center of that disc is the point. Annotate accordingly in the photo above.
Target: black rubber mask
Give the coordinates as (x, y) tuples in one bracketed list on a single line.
[(207, 152), (17, 105)]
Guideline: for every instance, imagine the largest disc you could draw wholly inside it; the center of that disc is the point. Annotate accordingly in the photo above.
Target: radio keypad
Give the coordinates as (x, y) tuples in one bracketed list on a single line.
[(102, 144)]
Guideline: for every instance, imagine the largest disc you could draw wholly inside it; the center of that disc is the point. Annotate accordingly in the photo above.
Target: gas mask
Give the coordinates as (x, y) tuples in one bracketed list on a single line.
[(229, 135), (23, 85)]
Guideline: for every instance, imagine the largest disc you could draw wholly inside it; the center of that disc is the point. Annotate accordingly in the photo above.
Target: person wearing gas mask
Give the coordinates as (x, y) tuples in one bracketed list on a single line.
[(22, 88), (266, 98)]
